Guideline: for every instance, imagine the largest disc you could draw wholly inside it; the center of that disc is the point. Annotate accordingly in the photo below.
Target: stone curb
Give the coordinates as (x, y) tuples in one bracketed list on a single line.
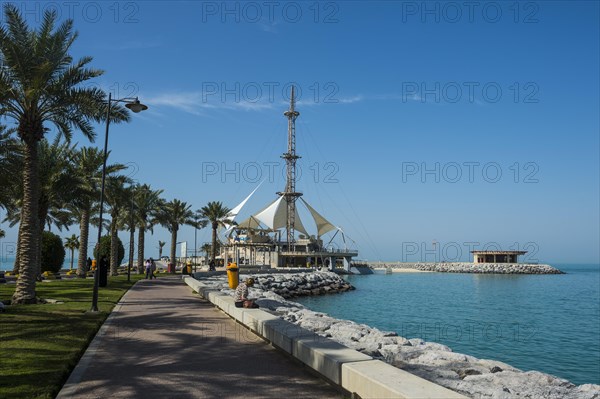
[(355, 372)]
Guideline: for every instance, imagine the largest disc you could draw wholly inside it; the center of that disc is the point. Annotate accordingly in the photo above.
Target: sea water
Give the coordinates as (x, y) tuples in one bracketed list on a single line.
[(8, 263), (549, 323)]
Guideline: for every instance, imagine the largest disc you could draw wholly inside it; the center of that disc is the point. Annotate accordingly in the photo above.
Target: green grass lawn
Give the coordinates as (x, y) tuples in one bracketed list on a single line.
[(41, 344)]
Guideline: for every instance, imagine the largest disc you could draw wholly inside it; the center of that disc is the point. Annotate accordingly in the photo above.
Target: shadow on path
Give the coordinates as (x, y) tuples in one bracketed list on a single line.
[(166, 342)]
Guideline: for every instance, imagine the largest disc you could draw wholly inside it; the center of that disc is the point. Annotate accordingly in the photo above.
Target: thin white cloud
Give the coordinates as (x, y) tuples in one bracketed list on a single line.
[(390, 97), (138, 45), (350, 100), (330, 100), (197, 104), (249, 106), (269, 27), (188, 102)]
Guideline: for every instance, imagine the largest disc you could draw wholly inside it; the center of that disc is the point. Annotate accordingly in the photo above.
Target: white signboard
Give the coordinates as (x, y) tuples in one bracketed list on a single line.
[(183, 252)]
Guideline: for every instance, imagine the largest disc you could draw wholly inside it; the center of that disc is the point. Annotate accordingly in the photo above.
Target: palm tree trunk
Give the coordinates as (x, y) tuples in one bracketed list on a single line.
[(214, 241), (25, 287), (140, 257), (38, 271), (42, 214), (17, 266), (72, 255), (173, 248), (84, 227), (114, 248)]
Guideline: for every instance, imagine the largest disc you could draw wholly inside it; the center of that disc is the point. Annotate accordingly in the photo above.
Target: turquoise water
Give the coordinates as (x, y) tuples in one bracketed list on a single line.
[(8, 263), (549, 323)]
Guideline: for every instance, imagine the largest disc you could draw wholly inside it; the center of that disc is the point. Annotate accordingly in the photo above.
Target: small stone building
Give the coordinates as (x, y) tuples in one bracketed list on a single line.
[(497, 256)]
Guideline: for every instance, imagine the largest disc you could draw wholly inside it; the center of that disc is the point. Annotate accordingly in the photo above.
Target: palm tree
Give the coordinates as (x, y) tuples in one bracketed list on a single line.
[(207, 249), (161, 244), (39, 84), (127, 220), (117, 198), (174, 214), (87, 165), (147, 206), (58, 183), (72, 243), (10, 166), (12, 208), (56, 187), (217, 215), (198, 224), (2, 233)]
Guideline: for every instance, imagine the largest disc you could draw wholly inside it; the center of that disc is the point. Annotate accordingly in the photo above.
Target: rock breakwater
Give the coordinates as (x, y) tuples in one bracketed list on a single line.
[(288, 285), (468, 375), (482, 268), (302, 284)]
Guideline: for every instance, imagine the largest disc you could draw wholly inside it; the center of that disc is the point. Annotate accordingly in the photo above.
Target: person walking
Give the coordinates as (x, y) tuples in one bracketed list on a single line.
[(152, 268), (148, 266)]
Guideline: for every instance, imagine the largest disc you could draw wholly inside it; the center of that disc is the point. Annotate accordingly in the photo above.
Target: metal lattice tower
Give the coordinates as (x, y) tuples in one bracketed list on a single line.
[(290, 157)]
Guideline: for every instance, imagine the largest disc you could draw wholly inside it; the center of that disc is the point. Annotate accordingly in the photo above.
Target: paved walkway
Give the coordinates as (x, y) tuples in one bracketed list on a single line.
[(164, 341)]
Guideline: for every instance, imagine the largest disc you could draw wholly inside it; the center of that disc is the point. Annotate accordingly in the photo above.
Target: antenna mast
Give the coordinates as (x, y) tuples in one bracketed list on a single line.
[(290, 157)]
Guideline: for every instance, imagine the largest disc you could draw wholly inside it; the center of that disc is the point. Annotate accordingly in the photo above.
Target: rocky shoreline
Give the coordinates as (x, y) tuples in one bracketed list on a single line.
[(470, 376), (464, 267), (302, 284)]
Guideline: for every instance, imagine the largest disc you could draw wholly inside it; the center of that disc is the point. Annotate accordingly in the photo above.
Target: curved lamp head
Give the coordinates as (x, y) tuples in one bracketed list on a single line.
[(136, 106)]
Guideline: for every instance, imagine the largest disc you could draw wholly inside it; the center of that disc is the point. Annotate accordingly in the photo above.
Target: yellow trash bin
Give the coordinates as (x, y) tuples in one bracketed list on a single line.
[(189, 267), (233, 276)]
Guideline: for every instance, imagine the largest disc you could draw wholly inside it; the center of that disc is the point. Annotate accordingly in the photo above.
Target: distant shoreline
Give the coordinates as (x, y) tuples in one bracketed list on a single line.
[(402, 270), (466, 267)]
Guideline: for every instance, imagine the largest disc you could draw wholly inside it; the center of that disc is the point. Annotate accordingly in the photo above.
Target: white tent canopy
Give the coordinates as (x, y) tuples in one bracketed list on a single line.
[(235, 211), (250, 223), (323, 225), (275, 216)]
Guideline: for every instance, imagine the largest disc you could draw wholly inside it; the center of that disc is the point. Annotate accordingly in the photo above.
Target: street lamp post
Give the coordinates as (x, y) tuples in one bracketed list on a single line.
[(135, 106), (196, 224), (132, 234)]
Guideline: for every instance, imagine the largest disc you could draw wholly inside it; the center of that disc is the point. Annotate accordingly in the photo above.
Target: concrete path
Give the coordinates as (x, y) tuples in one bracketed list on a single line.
[(163, 341)]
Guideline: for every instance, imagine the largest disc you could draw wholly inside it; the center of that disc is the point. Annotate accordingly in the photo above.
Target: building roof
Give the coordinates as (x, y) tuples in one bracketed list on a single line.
[(499, 252)]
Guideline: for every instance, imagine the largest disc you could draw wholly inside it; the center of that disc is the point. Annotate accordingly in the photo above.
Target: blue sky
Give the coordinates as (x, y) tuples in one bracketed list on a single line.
[(419, 122)]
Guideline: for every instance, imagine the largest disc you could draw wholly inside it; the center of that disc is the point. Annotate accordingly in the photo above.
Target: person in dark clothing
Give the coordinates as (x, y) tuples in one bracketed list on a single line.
[(103, 270)]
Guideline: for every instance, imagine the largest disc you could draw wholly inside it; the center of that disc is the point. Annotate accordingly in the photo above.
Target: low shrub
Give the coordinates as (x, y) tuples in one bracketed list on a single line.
[(53, 252)]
